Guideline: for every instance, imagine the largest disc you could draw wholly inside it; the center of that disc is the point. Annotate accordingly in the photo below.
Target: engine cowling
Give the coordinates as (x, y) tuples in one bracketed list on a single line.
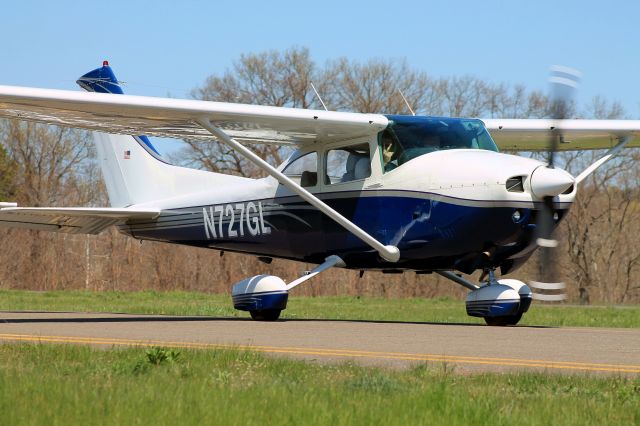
[(261, 292)]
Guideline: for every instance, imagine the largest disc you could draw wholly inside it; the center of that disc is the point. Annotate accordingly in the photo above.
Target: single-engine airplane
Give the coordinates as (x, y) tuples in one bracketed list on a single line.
[(378, 192)]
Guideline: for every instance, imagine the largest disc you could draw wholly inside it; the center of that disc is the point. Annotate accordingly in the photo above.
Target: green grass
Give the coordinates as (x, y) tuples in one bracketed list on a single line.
[(57, 384), (347, 308)]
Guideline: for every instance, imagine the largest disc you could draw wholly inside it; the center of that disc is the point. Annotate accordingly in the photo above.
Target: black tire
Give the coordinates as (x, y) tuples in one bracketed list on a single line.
[(503, 321), (265, 315)]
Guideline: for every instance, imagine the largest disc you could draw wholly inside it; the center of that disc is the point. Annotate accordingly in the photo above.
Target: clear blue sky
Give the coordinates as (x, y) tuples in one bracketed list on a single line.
[(169, 47)]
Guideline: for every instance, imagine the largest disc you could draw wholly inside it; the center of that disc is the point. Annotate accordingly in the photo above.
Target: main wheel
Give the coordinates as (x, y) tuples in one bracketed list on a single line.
[(265, 314), (503, 321)]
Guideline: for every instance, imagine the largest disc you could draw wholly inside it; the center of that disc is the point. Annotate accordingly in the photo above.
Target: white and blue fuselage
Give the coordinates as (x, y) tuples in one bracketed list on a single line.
[(445, 198), (449, 209)]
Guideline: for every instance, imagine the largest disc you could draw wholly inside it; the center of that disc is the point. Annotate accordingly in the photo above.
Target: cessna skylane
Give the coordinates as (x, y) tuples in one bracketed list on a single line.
[(390, 193)]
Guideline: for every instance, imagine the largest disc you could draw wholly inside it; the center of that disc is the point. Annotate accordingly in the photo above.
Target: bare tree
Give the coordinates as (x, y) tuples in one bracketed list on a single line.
[(54, 166), (374, 86), (49, 160), (8, 171), (268, 78), (603, 222)]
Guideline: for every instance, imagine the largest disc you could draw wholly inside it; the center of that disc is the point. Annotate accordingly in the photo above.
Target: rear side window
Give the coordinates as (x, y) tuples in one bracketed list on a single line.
[(304, 169), (348, 164)]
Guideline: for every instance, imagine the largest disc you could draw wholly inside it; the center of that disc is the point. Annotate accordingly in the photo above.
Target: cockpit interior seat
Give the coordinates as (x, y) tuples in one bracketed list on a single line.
[(308, 179), (350, 168), (362, 170)]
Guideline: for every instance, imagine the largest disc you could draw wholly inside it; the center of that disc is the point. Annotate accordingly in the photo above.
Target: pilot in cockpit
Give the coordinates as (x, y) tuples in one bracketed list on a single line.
[(390, 151)]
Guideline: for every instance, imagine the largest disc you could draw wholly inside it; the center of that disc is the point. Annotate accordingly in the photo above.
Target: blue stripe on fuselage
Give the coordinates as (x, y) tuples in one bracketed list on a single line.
[(431, 234)]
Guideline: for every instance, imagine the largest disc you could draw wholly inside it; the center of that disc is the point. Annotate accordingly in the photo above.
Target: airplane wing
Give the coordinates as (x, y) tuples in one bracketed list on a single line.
[(192, 119), (71, 220), (533, 134), (175, 118)]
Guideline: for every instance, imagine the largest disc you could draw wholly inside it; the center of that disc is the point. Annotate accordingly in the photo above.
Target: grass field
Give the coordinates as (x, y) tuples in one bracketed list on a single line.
[(52, 384), (365, 308)]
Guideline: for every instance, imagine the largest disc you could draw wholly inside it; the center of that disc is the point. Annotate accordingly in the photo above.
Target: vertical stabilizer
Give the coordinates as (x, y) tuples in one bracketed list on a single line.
[(133, 170)]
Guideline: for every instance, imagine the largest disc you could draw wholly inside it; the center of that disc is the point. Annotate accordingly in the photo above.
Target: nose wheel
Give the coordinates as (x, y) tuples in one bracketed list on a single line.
[(265, 315), (503, 321)]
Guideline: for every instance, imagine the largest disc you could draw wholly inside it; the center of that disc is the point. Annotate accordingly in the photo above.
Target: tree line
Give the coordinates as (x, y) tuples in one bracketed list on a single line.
[(51, 166)]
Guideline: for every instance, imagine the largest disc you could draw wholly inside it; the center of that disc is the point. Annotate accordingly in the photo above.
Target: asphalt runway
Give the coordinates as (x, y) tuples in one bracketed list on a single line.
[(461, 347)]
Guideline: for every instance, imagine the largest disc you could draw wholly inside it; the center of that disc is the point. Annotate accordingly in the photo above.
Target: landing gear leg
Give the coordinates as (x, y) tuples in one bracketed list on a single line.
[(492, 277)]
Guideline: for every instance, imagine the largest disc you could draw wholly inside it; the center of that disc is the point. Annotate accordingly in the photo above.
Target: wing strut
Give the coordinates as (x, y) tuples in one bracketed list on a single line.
[(389, 253), (608, 156)]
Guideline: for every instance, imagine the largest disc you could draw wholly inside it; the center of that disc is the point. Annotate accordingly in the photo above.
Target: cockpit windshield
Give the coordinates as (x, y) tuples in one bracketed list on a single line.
[(408, 137)]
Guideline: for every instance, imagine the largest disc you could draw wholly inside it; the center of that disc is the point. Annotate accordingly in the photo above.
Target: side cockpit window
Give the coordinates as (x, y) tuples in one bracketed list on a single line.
[(348, 164), (303, 170)]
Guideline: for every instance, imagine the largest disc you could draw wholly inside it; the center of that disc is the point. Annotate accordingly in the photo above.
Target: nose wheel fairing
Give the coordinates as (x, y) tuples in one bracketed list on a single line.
[(261, 301), (499, 302), (492, 308)]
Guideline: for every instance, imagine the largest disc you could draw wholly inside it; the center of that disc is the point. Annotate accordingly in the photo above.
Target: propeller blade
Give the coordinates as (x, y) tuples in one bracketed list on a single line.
[(545, 225), (563, 84)]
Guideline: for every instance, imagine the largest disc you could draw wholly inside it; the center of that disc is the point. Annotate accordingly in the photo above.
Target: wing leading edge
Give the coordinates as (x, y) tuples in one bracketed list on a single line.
[(70, 220), (176, 118), (533, 134)]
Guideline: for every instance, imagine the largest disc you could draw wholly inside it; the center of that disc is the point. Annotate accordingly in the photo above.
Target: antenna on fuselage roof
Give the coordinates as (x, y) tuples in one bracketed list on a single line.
[(318, 95), (406, 102)]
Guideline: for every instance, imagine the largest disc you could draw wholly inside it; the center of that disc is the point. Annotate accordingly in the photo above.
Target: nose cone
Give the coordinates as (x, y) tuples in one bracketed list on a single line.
[(547, 182)]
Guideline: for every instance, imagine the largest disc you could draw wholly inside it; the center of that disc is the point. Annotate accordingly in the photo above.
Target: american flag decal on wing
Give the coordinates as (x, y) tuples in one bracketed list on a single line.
[(127, 155)]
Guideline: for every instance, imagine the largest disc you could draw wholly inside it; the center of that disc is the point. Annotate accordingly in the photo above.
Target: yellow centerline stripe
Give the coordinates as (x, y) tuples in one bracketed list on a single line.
[(332, 352), (350, 351)]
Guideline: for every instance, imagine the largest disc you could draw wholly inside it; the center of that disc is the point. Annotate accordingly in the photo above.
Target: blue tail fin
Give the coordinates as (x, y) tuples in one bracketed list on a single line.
[(103, 80)]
